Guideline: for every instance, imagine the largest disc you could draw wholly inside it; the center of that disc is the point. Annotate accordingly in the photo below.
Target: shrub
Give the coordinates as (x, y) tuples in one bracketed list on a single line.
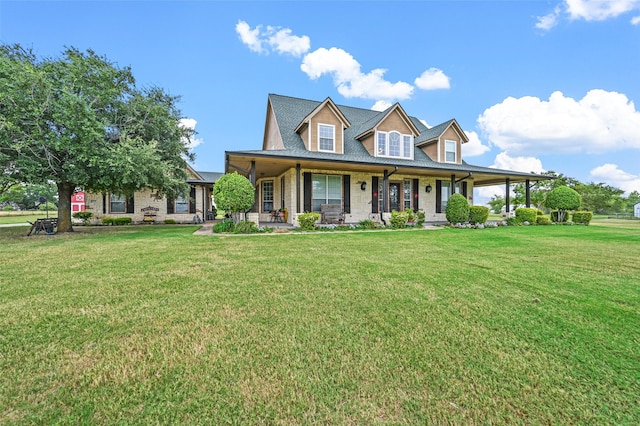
[(224, 226), (525, 214), (543, 220), (478, 214), (245, 227), (8, 208), (457, 210), (582, 217), (554, 216), (419, 217), (234, 193), (107, 221), (367, 224), (170, 221), (308, 220), (513, 221), (122, 221), (398, 219), (83, 216)]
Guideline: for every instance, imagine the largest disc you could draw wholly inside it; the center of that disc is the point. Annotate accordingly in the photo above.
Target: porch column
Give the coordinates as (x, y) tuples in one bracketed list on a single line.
[(452, 189), (507, 195), (527, 193), (385, 188), (252, 179), (298, 188)]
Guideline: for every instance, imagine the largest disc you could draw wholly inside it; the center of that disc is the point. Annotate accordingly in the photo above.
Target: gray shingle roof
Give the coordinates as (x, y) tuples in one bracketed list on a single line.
[(289, 113)]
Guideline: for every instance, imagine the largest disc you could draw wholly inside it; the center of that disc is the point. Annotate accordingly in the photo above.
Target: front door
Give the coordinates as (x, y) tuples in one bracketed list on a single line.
[(394, 196)]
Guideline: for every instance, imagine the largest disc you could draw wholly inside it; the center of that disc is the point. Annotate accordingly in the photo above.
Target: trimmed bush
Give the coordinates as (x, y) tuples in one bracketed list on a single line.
[(308, 220), (478, 214), (543, 220), (122, 221), (554, 216), (224, 226), (457, 210), (582, 217), (170, 221), (107, 221), (513, 221), (399, 219), (563, 199), (83, 216), (245, 227), (525, 214)]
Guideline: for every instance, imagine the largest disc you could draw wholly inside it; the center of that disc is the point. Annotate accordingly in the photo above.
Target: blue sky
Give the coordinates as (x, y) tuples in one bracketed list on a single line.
[(537, 85)]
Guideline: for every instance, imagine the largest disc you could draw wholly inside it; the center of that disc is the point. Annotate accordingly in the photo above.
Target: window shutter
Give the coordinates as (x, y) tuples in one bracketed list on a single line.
[(192, 199), (374, 194), (130, 206), (170, 205), (307, 191), (104, 203), (416, 185), (464, 189), (346, 190), (438, 196)]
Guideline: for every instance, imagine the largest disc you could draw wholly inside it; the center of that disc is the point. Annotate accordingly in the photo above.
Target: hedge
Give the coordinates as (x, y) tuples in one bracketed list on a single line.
[(478, 214), (526, 214), (582, 217)]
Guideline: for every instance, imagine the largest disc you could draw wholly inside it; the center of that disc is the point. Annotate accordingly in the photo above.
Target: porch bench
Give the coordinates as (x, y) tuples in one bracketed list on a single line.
[(331, 213)]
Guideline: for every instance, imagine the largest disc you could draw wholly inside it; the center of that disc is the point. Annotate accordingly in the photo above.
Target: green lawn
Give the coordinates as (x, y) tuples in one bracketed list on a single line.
[(153, 325)]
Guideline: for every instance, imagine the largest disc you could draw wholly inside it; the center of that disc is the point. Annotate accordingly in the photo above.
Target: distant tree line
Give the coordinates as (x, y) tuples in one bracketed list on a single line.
[(598, 198)]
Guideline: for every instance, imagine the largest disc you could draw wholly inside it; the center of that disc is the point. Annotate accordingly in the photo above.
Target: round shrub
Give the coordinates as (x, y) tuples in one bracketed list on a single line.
[(308, 220), (478, 214), (457, 210), (563, 199), (582, 217), (83, 216), (543, 220), (525, 214)]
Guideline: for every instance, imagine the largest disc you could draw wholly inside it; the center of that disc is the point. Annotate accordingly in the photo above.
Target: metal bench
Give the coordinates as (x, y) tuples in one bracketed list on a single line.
[(331, 213)]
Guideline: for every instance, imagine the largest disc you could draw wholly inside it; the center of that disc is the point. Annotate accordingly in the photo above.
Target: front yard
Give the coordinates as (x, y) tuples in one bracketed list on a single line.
[(514, 325)]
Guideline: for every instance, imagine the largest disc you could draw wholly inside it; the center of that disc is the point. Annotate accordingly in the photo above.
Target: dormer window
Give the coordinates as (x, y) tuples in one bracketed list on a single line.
[(326, 138), (394, 144), (450, 152)]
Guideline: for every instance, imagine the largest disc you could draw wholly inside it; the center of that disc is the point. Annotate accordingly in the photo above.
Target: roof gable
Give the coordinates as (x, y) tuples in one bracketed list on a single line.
[(329, 104), (434, 133)]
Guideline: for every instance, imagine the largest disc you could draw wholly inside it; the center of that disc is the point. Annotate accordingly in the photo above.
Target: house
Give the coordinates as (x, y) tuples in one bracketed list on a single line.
[(318, 153), (147, 206)]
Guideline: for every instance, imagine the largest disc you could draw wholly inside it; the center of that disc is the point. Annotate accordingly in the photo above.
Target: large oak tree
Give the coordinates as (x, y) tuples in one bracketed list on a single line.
[(80, 121)]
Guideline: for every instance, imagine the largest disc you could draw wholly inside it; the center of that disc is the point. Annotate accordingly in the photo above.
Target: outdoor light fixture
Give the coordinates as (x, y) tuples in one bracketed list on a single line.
[(428, 188), (363, 185)]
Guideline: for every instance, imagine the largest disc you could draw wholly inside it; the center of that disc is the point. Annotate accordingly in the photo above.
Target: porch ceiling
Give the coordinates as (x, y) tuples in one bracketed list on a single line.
[(274, 166)]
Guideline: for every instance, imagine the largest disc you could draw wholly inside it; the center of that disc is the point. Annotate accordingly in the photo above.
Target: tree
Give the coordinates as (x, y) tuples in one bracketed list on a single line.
[(563, 199), (600, 198), (234, 194), (496, 203), (79, 120)]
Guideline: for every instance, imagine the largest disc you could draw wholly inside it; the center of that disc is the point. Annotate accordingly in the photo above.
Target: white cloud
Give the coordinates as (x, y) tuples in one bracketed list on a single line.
[(432, 79), (612, 175), (190, 123), (381, 105), (519, 164), (600, 122), (549, 21), (250, 37), (599, 10), (635, 20), (474, 146), (348, 77), (278, 39)]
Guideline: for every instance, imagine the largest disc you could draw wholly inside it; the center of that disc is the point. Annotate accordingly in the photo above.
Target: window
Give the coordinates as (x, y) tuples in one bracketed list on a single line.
[(327, 189), (445, 193), (394, 144), (450, 151), (182, 205), (118, 203), (407, 194), (326, 137), (267, 195)]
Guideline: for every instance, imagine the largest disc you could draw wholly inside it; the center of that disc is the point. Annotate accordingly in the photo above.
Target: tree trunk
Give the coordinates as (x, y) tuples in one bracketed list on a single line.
[(65, 191)]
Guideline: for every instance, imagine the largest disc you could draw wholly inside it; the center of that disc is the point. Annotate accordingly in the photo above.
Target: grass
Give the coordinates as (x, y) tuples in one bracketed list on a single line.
[(516, 325)]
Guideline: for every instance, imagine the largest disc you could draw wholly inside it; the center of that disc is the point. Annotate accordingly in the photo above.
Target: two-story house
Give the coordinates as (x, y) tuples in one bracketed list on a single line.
[(368, 162)]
